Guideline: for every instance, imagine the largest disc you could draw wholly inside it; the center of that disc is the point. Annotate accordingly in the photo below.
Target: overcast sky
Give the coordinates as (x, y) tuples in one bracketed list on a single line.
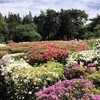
[(92, 7)]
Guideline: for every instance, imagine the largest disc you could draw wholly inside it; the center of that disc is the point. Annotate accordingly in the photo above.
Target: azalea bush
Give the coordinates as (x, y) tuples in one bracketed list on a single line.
[(74, 89), (88, 58), (22, 83), (78, 72), (46, 53)]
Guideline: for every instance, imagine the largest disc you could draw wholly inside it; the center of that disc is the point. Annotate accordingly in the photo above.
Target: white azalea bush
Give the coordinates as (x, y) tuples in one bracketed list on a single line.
[(10, 64), (89, 58)]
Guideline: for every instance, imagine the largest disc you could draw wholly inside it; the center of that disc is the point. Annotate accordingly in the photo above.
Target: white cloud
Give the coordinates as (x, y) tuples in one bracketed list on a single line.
[(24, 6)]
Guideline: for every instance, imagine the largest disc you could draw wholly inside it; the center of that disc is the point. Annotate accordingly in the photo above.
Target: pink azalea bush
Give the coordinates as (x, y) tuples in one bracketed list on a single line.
[(66, 90), (78, 72)]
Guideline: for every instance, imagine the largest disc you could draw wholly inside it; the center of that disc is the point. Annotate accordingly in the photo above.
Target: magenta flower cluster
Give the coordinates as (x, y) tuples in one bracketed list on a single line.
[(65, 90)]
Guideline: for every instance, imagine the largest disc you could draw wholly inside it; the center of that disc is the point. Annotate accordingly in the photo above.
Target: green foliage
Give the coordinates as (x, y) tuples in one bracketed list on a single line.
[(2, 38), (49, 25), (95, 78), (60, 25), (26, 33), (91, 42), (3, 29), (94, 91)]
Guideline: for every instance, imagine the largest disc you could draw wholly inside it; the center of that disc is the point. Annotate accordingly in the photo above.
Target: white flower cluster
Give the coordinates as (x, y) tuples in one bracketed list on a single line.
[(9, 64), (83, 58), (2, 45)]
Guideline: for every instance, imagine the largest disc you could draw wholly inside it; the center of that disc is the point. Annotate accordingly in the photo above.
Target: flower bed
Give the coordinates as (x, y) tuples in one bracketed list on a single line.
[(36, 80)]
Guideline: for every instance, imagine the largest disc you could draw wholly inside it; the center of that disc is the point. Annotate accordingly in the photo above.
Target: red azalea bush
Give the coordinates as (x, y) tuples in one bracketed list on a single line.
[(45, 53)]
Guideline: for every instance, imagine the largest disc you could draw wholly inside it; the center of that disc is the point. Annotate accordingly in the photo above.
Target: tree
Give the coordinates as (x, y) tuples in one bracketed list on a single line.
[(28, 19), (3, 29), (48, 24), (13, 20), (94, 22), (26, 32), (66, 26)]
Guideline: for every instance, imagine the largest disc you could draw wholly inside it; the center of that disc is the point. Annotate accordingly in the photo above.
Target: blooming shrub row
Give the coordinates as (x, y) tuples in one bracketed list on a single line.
[(40, 52), (74, 89)]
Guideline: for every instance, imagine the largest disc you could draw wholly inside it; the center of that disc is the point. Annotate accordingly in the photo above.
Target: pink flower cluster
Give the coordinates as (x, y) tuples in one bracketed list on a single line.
[(91, 97), (68, 89)]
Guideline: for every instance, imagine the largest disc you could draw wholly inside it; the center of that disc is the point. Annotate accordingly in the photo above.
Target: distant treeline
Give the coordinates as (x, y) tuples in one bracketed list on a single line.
[(49, 25)]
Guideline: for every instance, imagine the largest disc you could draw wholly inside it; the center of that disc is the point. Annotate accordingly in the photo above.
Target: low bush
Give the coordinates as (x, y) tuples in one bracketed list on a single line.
[(73, 89), (78, 72), (23, 83)]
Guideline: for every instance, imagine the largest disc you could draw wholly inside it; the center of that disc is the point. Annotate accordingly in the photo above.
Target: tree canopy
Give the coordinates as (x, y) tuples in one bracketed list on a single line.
[(49, 25)]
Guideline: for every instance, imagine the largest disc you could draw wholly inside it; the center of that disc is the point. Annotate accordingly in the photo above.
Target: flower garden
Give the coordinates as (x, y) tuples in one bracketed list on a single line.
[(50, 70)]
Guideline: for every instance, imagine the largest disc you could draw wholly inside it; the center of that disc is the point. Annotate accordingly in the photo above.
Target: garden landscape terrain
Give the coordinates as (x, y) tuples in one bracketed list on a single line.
[(50, 70), (54, 55)]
